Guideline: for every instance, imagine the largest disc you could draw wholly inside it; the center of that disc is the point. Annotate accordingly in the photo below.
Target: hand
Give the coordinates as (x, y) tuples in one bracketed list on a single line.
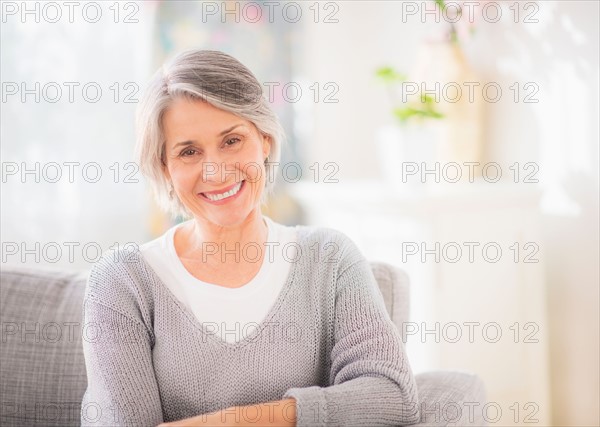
[(211, 419), (227, 417)]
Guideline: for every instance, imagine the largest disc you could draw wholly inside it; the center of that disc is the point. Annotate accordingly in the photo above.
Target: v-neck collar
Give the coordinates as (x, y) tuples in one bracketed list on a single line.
[(274, 311), (249, 288)]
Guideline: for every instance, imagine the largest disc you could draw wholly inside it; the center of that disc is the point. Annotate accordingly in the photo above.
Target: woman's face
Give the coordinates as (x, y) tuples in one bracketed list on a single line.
[(209, 150)]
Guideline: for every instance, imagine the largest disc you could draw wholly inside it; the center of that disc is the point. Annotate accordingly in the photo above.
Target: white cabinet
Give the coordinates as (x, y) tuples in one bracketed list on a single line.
[(475, 258)]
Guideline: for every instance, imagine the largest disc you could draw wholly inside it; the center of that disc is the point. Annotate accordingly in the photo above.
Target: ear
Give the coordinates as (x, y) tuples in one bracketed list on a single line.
[(165, 171), (163, 164), (267, 141)]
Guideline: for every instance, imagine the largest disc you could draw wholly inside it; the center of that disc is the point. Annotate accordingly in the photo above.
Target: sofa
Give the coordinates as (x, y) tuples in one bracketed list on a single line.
[(42, 368)]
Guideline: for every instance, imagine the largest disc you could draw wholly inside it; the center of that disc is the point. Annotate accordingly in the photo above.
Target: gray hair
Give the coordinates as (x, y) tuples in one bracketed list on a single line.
[(218, 79)]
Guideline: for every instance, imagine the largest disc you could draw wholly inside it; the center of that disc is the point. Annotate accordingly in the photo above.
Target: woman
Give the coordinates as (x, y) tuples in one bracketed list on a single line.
[(230, 318)]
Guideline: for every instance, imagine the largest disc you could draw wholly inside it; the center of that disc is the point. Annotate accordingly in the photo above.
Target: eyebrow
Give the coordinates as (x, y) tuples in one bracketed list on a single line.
[(190, 142)]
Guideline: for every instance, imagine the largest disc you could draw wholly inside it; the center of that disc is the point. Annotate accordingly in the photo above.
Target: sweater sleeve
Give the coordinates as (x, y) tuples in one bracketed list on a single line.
[(371, 382), (122, 388)]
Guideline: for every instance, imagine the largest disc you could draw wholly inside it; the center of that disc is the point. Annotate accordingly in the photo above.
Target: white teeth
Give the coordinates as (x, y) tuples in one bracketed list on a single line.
[(215, 197)]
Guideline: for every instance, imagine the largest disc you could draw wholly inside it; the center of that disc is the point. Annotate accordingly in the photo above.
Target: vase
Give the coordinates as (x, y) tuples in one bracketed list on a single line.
[(444, 72)]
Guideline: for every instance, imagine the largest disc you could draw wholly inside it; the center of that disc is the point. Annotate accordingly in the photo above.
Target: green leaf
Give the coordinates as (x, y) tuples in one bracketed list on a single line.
[(426, 99), (435, 115), (441, 4), (406, 113), (388, 74)]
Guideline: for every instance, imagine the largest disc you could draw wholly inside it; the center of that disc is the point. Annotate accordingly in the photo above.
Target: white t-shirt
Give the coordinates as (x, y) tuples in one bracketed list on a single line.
[(231, 313)]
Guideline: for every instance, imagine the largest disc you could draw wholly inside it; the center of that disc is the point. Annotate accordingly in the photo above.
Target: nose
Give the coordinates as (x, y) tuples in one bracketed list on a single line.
[(211, 171), (216, 169)]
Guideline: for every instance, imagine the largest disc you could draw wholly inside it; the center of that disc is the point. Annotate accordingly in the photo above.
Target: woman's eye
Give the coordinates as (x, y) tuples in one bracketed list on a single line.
[(232, 141), (188, 152)]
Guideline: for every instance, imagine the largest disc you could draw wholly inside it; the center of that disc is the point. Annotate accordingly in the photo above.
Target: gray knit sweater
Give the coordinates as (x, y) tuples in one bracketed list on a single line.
[(327, 341)]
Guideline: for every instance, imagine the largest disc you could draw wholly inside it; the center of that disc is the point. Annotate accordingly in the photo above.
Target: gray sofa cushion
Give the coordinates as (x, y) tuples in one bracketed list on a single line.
[(451, 398), (395, 288), (42, 374)]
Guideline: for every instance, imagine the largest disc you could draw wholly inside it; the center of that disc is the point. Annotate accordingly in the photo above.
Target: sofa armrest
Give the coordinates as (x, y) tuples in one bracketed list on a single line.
[(451, 398)]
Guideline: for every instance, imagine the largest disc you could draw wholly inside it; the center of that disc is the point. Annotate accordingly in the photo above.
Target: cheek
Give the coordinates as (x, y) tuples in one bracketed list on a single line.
[(254, 172), (182, 176), (252, 165)]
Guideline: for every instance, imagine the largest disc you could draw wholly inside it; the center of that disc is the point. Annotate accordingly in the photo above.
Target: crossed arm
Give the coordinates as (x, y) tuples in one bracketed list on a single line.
[(277, 413)]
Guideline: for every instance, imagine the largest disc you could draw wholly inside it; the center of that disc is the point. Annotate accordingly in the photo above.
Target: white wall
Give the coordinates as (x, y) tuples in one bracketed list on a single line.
[(67, 216)]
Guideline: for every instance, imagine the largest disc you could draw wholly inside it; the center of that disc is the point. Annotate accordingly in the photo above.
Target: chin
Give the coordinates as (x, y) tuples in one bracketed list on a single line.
[(230, 218)]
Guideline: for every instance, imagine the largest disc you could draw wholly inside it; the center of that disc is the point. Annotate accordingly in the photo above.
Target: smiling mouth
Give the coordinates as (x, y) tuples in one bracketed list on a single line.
[(215, 197)]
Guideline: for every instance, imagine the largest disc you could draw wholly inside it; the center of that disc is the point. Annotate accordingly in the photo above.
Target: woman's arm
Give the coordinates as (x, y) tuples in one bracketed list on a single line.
[(371, 382), (121, 384), (279, 413), (122, 389)]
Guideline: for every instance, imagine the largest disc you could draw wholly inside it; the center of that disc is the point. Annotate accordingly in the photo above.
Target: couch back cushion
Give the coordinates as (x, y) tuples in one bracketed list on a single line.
[(394, 285), (42, 370)]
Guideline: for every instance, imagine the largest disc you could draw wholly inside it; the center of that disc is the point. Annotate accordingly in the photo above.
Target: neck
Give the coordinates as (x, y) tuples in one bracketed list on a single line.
[(220, 244)]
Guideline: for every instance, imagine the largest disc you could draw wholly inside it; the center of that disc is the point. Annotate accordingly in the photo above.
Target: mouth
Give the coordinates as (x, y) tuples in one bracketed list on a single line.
[(225, 195)]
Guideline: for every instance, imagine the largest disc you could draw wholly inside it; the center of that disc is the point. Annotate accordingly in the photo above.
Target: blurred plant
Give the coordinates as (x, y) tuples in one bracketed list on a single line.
[(452, 35), (423, 106), (462, 25), (420, 107)]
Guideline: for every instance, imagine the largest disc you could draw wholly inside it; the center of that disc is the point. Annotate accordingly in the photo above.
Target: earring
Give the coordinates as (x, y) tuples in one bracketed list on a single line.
[(171, 192), (267, 160)]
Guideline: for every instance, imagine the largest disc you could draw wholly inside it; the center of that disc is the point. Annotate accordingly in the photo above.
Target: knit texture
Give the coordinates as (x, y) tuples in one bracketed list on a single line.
[(327, 341)]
